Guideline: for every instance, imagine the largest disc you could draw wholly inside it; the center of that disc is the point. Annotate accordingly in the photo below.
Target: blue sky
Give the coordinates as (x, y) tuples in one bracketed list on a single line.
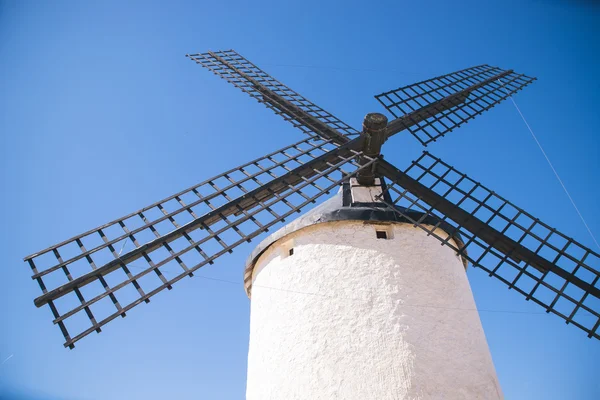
[(101, 114)]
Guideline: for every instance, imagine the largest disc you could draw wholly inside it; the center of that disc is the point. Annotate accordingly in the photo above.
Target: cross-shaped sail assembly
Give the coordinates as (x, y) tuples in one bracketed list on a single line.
[(93, 278)]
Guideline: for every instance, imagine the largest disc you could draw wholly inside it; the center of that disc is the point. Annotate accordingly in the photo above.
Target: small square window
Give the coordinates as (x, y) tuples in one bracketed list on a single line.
[(287, 249), (381, 234)]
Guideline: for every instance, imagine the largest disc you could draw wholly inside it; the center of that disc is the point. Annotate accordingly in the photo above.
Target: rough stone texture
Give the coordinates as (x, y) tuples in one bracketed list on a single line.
[(349, 316)]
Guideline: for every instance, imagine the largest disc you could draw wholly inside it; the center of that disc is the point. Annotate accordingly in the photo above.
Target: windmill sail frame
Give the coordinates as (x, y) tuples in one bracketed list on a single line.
[(529, 256), (257, 209), (474, 90), (210, 219)]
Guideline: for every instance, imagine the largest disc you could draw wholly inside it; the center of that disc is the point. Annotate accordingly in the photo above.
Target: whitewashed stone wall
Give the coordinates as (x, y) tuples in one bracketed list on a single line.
[(349, 316)]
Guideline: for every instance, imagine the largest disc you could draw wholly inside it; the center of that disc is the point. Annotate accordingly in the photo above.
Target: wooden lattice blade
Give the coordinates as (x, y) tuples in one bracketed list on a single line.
[(293, 107), (432, 108), (529, 256), (93, 278)]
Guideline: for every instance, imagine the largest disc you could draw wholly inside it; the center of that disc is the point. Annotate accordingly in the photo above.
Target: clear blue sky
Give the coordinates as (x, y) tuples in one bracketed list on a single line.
[(101, 114)]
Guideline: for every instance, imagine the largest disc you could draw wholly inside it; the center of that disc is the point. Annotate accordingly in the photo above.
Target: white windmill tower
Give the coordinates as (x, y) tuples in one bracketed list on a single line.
[(356, 299), (333, 314)]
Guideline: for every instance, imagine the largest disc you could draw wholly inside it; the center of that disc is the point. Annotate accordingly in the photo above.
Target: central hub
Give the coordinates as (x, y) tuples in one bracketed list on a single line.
[(374, 133), (374, 121)]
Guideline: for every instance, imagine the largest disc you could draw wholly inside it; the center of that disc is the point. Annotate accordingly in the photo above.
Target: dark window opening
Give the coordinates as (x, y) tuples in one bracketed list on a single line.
[(291, 252), (381, 234)]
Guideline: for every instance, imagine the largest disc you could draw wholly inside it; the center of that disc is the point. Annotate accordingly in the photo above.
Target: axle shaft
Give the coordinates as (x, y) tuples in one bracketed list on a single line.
[(374, 133)]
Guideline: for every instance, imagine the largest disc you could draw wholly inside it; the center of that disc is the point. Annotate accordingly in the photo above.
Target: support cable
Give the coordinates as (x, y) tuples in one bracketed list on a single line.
[(554, 170), (479, 310)]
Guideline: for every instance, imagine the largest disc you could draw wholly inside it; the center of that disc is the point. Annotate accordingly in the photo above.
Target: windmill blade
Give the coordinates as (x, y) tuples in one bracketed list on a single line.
[(529, 256), (293, 107), (432, 108), (86, 289)]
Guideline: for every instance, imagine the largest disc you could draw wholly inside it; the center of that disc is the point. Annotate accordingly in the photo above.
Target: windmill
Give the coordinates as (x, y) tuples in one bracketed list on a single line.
[(385, 325)]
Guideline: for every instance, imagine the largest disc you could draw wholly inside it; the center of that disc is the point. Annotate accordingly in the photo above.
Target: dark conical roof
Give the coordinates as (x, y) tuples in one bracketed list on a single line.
[(340, 208)]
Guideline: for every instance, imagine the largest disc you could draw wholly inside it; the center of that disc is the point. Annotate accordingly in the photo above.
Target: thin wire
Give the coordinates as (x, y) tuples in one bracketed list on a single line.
[(554, 170), (122, 247), (333, 297), (344, 68), (405, 305), (7, 358)]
